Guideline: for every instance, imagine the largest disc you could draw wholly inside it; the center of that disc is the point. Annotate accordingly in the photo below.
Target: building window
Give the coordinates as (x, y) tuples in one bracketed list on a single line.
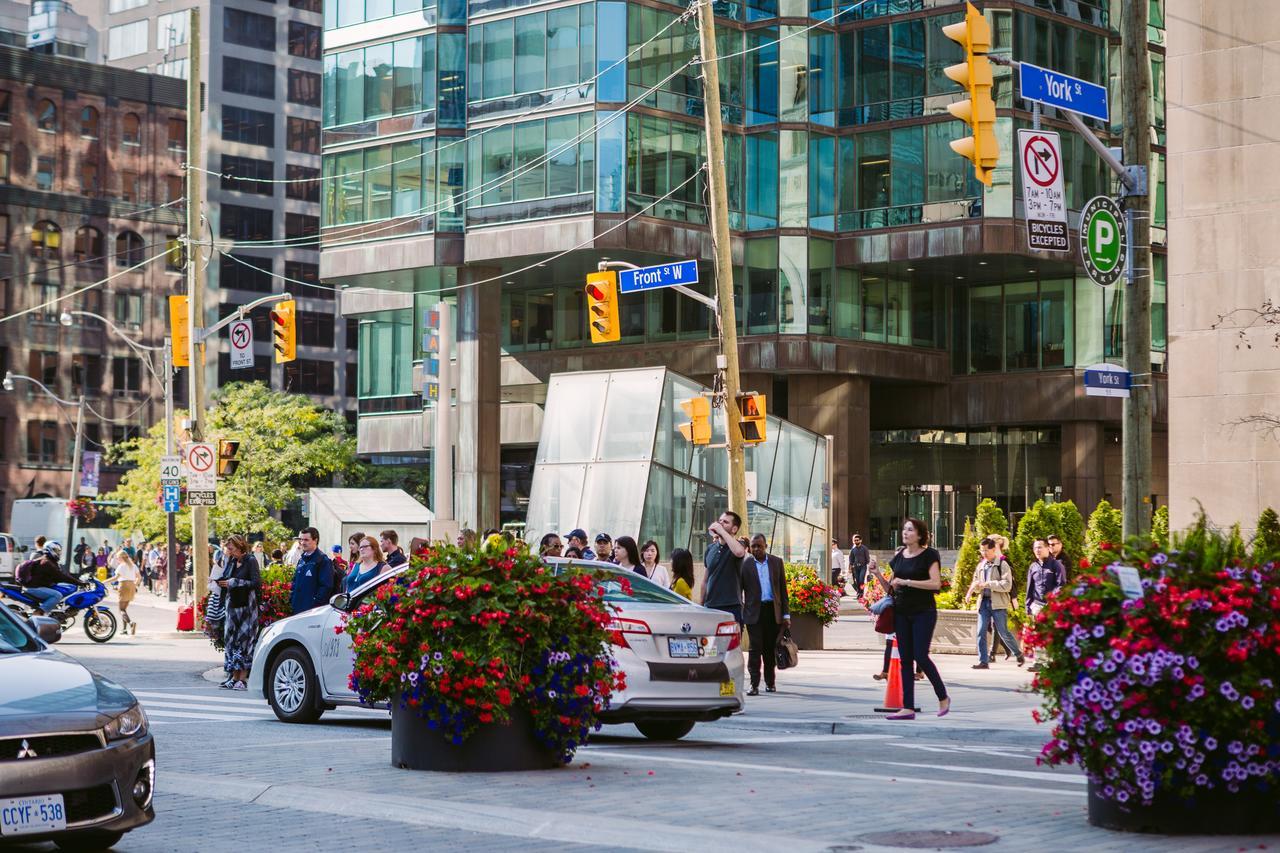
[(89, 178), (353, 341), (249, 29), (303, 274), (304, 88), (6, 98), (307, 376), (131, 187), (4, 241), (125, 432), (173, 68), (171, 30), (304, 136), (89, 123), (126, 375), (173, 188), (177, 140), (245, 77), (131, 130), (45, 167), (46, 116), (304, 40), (42, 441), (249, 126), (299, 226), (46, 240), (550, 50), (4, 165), (130, 250), (86, 374), (387, 79), (47, 295), (245, 223), (304, 183), (316, 6), (245, 272), (247, 175), (43, 365), (89, 245), (128, 309), (315, 330), (127, 40)]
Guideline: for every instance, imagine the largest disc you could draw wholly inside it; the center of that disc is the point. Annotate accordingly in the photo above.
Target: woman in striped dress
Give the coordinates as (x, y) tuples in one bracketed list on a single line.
[(241, 582)]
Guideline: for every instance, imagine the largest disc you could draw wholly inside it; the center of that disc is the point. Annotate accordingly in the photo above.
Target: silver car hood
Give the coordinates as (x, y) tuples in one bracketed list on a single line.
[(47, 691)]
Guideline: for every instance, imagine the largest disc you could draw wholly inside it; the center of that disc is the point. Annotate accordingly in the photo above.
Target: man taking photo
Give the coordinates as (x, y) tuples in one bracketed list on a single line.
[(722, 587)]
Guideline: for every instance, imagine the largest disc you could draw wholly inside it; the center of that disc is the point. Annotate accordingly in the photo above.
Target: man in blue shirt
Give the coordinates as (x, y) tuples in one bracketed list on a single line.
[(764, 611), (313, 576)]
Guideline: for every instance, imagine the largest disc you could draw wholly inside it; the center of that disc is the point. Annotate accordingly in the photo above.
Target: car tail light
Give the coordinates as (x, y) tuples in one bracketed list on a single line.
[(619, 628), (731, 630)]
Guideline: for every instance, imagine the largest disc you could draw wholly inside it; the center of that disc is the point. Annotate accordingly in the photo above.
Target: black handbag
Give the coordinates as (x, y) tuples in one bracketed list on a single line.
[(787, 653)]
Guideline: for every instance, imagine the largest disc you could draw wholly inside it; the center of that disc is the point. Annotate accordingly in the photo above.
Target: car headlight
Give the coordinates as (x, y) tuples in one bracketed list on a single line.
[(131, 723)]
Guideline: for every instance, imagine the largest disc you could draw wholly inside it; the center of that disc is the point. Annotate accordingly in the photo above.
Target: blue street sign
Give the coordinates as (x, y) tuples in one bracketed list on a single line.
[(172, 498), (1054, 89), (661, 275), (1107, 380)]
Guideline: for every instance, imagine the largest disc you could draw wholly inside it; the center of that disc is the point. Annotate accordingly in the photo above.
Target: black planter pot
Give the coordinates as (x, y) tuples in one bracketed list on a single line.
[(806, 630), (493, 748), (1212, 812)]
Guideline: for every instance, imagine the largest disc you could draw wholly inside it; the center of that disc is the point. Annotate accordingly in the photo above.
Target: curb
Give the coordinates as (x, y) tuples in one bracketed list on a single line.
[(215, 675)]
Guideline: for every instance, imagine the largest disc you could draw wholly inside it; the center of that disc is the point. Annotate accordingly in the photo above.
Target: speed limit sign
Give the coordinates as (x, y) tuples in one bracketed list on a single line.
[(170, 470)]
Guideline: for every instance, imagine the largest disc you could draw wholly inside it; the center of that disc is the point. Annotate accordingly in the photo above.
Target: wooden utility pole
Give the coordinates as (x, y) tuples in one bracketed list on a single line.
[(195, 293), (727, 313), (1135, 75)]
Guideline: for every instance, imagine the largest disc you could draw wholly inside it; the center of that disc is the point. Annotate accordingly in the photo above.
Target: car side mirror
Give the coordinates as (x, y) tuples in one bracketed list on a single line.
[(341, 601), (49, 630)]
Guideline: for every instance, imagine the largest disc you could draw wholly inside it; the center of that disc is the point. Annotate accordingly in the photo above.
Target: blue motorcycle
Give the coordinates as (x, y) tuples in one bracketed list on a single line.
[(99, 622)]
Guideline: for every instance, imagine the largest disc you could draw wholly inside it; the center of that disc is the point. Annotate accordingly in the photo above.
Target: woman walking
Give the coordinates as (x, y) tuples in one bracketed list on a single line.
[(651, 568), (128, 574), (917, 577), (682, 571), (626, 554), (242, 583), (370, 565)]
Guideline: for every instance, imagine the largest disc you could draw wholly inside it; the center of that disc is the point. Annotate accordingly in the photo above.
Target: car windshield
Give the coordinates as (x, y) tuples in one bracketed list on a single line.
[(639, 588), (13, 639)]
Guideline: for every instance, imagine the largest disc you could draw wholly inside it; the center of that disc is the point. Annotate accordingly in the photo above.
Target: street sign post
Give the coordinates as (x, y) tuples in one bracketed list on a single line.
[(1055, 89), (1043, 197), (1102, 240), (202, 474), (660, 275), (1107, 380), (241, 344)]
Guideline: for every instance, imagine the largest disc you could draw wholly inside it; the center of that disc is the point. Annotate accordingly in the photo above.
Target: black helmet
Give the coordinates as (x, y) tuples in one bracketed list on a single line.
[(53, 549)]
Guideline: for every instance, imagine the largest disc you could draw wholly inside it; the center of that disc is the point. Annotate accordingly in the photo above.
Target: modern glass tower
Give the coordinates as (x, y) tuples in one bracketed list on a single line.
[(493, 154)]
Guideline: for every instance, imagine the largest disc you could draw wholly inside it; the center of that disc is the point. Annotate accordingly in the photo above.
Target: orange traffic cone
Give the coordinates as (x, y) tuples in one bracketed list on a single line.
[(893, 687)]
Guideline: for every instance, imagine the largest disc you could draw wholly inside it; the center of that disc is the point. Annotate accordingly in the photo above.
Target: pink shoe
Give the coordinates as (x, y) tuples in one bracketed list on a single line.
[(944, 707), (904, 714)]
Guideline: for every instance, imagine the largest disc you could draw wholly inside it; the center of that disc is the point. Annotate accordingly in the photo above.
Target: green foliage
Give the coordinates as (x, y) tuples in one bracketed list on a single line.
[(287, 444), (966, 561), (1266, 539), (1069, 525), (1106, 527), (808, 593), (1160, 526), (991, 519)]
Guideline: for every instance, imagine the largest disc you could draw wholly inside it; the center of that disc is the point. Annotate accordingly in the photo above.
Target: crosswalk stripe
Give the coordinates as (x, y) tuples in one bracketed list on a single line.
[(161, 714), (215, 698)]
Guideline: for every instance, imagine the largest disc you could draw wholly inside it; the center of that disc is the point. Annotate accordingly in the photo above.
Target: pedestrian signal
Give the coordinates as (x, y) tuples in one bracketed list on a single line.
[(180, 330), (698, 429), (284, 330), (751, 418), (602, 306), (978, 110), (227, 461)]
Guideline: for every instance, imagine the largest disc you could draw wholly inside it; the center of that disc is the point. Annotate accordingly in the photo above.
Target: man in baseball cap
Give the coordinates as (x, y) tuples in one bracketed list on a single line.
[(577, 538)]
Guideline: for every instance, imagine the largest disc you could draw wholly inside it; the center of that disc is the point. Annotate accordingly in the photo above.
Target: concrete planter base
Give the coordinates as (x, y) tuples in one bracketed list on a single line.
[(956, 634), (806, 630)]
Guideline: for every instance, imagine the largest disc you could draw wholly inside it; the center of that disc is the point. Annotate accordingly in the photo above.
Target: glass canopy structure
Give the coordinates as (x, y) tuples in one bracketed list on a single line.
[(611, 459)]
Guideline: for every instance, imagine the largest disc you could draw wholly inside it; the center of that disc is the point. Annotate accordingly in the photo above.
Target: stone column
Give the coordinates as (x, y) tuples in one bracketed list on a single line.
[(477, 487), (840, 406), (1082, 464)]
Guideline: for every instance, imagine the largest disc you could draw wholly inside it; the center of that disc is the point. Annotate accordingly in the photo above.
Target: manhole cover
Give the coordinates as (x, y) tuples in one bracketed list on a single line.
[(926, 839)]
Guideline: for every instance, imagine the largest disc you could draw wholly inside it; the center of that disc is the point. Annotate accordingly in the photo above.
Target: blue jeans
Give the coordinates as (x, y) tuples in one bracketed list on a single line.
[(47, 596), (915, 633), (1001, 618)]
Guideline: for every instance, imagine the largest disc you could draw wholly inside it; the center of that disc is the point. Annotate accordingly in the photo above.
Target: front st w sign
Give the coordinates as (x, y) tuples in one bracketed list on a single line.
[(1043, 198), (1102, 240)]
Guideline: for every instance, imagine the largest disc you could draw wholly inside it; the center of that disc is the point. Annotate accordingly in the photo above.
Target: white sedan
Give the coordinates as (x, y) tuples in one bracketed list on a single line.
[(683, 662)]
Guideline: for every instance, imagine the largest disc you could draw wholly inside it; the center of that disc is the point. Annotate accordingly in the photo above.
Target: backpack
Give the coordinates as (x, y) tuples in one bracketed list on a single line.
[(27, 571)]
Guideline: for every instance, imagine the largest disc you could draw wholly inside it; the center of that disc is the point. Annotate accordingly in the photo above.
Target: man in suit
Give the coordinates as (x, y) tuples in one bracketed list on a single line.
[(764, 611)]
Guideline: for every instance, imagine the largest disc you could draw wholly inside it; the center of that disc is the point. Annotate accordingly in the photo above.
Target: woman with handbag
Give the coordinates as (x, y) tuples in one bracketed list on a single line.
[(882, 609), (917, 577), (241, 582)]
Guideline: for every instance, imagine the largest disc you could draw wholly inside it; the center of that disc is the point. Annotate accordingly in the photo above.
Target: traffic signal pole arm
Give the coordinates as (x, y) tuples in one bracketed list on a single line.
[(203, 335)]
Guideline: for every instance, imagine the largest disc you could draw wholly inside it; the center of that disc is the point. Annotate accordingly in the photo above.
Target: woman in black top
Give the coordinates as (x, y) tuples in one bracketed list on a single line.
[(917, 577)]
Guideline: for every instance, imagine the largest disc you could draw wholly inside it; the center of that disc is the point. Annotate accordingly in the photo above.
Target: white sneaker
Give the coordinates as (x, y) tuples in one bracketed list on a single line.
[(239, 685)]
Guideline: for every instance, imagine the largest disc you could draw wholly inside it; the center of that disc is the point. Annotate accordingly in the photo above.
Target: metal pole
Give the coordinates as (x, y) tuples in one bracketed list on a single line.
[(171, 519), (442, 444), (727, 315), (1135, 71), (76, 460), (195, 289)]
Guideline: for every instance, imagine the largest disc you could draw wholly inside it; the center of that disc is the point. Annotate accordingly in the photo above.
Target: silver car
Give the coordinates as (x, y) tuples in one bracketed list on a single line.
[(683, 662)]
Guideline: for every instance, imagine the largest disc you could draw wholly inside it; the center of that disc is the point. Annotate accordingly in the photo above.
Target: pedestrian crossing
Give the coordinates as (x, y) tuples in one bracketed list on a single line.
[(175, 707)]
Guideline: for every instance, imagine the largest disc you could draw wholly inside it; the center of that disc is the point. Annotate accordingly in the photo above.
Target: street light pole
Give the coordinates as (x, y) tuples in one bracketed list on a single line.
[(76, 459)]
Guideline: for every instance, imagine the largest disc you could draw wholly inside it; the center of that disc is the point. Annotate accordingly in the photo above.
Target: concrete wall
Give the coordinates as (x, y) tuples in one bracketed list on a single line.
[(1224, 199)]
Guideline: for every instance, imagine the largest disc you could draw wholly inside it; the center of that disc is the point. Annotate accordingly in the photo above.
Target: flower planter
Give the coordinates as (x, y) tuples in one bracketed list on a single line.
[(1213, 812), (493, 748), (806, 630), (956, 633)]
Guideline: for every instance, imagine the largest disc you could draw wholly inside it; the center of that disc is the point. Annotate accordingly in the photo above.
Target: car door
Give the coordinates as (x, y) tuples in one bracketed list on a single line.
[(335, 655)]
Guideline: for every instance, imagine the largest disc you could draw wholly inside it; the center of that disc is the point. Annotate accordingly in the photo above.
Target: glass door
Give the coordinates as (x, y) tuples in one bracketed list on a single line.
[(943, 507)]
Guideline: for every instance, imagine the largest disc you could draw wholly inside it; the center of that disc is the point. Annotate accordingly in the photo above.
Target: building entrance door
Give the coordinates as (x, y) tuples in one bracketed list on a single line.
[(943, 507)]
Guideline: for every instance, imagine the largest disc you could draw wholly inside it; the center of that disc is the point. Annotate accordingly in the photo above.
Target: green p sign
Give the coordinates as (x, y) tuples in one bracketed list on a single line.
[(1102, 240)]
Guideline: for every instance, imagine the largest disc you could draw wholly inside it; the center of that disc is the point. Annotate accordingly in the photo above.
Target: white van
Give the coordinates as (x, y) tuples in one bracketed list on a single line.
[(32, 517), (9, 557)]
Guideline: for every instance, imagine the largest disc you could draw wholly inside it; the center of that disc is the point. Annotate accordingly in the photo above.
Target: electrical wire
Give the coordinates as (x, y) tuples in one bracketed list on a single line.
[(94, 260), (114, 275), (123, 420), (799, 32)]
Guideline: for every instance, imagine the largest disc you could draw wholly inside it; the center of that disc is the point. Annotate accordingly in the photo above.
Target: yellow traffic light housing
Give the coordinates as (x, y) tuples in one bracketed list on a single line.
[(978, 110), (227, 461), (602, 307), (698, 429), (180, 330), (284, 330), (751, 418)]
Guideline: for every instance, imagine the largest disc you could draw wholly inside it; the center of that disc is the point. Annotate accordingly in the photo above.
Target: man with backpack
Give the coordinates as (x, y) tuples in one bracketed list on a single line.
[(40, 573), (994, 578)]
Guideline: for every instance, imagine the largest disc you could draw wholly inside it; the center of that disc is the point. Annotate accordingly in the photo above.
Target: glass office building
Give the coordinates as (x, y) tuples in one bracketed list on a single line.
[(492, 154)]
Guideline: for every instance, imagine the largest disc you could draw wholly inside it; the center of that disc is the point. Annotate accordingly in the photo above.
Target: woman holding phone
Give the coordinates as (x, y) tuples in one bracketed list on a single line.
[(241, 583)]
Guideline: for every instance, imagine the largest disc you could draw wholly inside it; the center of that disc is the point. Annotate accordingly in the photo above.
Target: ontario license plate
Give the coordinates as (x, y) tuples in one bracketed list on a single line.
[(29, 815), (726, 688), (680, 647)]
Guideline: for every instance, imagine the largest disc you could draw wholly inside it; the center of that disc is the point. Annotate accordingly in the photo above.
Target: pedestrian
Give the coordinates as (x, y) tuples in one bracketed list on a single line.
[(277, 559), (1057, 552), (722, 587), (764, 611), (100, 561), (85, 558), (130, 550), (1045, 576), (391, 548), (313, 574), (604, 547), (839, 565), (340, 567), (128, 575), (573, 553), (41, 573), (353, 547), (993, 578), (371, 564), (682, 572), (79, 552), (626, 555), (215, 613), (651, 568), (293, 554), (466, 538), (917, 577), (260, 554), (550, 546), (242, 581), (578, 539), (859, 560), (150, 559), (162, 571), (40, 543)]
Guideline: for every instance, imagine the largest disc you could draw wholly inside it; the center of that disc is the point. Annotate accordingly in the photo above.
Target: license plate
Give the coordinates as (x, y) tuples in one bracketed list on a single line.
[(726, 688), (679, 647), (27, 815)]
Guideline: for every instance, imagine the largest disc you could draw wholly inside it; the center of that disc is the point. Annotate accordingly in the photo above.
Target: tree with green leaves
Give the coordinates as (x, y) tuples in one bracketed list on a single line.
[(966, 562), (1068, 524), (287, 444), (1106, 526), (1160, 526), (1266, 539), (991, 520)]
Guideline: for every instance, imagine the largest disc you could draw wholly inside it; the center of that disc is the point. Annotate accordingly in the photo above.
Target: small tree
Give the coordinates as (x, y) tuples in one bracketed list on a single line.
[(1106, 527), (966, 562), (1160, 526), (991, 519), (1068, 524), (1266, 539)]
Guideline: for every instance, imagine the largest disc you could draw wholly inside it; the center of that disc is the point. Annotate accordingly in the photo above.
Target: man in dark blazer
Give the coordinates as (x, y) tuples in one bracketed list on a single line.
[(764, 610)]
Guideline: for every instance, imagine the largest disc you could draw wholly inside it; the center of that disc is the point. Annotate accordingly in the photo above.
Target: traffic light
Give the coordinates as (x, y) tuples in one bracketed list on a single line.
[(227, 461), (602, 306), (978, 110), (698, 429), (180, 330), (751, 416), (284, 331)]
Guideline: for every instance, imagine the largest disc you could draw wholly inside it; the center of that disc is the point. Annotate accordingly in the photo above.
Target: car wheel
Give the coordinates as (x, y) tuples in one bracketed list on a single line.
[(100, 625), (86, 841), (665, 729), (291, 688)]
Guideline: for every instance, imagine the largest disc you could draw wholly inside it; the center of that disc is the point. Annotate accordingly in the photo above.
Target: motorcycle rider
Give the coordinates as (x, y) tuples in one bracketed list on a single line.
[(41, 573)]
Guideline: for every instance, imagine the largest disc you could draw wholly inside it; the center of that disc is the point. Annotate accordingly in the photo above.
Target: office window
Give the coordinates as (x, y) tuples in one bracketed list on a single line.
[(89, 184), (353, 341), (130, 250), (249, 29), (124, 432), (245, 272), (128, 309), (6, 100), (127, 40), (43, 365), (304, 88), (246, 77), (45, 167), (315, 329), (308, 376), (46, 116), (303, 136), (42, 441), (89, 243), (171, 29), (247, 175), (177, 135), (86, 374), (89, 121), (46, 296), (46, 240), (301, 274), (300, 226), (245, 223), (316, 6), (250, 126), (131, 130), (304, 40), (131, 187), (126, 375), (304, 183), (386, 79)]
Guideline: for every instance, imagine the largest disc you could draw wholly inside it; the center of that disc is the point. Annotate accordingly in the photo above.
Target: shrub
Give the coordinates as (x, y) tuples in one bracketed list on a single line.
[(1266, 539), (1105, 532), (1160, 526), (991, 520), (1069, 525), (966, 561)]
